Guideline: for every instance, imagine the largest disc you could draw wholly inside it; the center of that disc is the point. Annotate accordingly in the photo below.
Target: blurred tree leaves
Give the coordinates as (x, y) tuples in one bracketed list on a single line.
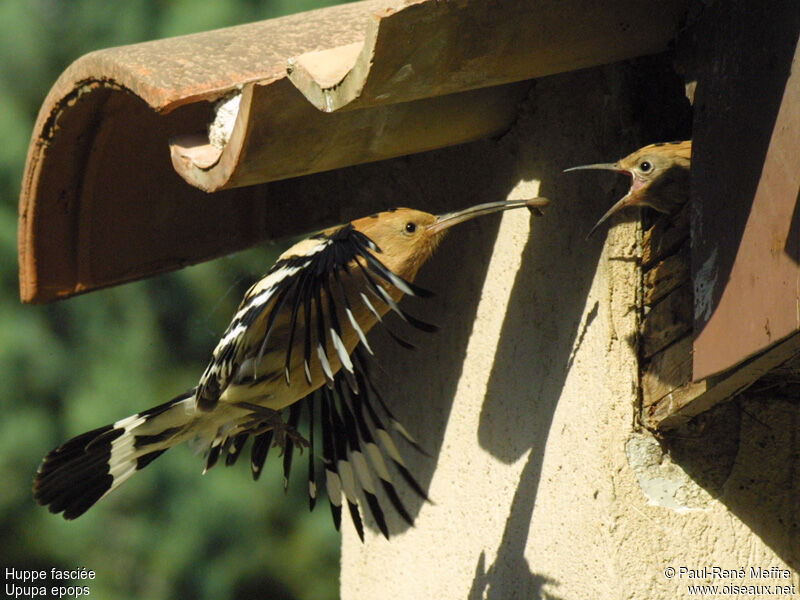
[(78, 364)]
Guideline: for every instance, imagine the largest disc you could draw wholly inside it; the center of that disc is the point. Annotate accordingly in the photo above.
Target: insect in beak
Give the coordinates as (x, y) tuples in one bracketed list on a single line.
[(447, 220)]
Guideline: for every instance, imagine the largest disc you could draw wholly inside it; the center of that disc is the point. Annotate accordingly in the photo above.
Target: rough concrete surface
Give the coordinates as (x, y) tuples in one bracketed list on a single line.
[(542, 485)]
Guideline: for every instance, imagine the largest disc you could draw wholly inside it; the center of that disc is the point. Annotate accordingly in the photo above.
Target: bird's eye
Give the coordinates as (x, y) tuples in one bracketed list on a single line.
[(645, 166), (411, 227)]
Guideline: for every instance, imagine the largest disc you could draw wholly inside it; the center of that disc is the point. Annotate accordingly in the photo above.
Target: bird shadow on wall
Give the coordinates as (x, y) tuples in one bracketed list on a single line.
[(542, 322), (577, 118), (441, 181)]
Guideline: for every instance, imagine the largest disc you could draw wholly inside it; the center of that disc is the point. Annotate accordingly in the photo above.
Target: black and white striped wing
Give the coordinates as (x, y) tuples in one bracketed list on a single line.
[(358, 448), (359, 458), (348, 415), (304, 286)]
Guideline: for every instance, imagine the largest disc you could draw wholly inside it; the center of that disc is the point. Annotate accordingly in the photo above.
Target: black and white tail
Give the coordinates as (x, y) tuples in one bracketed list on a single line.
[(81, 471)]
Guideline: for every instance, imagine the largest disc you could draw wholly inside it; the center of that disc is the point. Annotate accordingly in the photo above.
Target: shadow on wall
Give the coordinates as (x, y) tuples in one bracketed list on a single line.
[(744, 454), (544, 321)]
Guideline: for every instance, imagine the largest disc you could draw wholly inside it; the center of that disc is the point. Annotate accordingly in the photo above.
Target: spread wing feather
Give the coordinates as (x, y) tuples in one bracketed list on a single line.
[(359, 453), (306, 294), (294, 288)]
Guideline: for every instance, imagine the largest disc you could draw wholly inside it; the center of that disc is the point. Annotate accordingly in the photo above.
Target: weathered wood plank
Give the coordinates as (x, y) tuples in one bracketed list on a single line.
[(666, 371), (668, 321), (663, 278)]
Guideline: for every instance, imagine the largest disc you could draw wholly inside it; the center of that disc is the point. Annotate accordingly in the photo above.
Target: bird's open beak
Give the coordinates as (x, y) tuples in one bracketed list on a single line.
[(447, 220), (627, 200)]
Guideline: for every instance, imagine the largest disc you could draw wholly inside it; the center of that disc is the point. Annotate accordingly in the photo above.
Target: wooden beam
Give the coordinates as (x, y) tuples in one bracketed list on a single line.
[(684, 402)]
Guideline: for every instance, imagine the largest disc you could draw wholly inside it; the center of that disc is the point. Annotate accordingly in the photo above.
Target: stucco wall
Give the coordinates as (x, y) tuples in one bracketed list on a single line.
[(542, 486)]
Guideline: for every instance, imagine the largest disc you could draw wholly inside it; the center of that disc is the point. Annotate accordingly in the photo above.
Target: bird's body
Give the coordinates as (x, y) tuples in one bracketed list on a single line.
[(299, 333), (659, 177)]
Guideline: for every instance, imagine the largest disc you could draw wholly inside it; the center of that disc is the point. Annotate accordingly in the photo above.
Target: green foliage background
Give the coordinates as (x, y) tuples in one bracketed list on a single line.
[(170, 532)]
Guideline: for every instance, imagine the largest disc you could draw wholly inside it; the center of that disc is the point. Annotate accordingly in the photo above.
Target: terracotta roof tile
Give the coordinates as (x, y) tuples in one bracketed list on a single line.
[(102, 203)]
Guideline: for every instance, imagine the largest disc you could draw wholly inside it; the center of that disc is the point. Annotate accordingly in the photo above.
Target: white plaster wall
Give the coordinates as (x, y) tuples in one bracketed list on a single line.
[(542, 486)]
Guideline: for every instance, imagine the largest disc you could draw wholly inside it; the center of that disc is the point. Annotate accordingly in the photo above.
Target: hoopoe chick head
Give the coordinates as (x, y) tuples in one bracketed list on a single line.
[(407, 238), (659, 177)]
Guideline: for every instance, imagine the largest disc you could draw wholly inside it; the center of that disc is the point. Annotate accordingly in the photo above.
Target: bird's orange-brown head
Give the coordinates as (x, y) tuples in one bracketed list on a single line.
[(659, 177), (407, 237)]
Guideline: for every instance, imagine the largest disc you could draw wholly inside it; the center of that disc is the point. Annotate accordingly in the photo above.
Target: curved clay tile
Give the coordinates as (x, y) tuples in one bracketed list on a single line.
[(105, 197)]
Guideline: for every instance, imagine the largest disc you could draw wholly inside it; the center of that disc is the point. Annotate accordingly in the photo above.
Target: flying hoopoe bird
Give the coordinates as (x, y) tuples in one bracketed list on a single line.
[(298, 339), (659, 177)]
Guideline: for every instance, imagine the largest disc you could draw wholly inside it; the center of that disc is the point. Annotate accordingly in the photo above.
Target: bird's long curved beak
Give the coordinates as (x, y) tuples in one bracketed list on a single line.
[(447, 220), (599, 166)]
